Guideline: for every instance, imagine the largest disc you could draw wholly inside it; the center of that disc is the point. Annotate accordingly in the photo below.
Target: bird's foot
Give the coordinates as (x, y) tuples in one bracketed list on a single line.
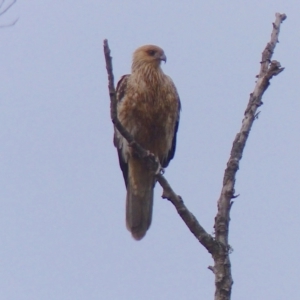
[(154, 163)]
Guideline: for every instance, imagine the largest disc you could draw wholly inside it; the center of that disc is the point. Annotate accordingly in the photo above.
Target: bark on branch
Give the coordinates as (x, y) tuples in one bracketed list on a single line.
[(222, 267), (218, 246)]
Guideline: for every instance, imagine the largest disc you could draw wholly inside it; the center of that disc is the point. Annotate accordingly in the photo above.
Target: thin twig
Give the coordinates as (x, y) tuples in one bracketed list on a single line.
[(10, 24), (7, 8)]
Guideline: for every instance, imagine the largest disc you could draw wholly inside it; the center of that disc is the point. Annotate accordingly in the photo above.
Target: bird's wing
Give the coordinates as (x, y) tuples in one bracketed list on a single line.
[(118, 139), (172, 149)]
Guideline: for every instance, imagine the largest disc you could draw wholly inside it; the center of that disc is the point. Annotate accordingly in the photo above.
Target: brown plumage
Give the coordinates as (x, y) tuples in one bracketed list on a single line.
[(148, 107)]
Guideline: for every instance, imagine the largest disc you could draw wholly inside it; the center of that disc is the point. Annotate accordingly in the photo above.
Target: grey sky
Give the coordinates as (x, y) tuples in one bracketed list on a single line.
[(62, 227)]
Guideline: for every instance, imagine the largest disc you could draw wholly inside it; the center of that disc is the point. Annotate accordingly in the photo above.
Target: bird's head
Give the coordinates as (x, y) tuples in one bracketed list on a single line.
[(148, 55)]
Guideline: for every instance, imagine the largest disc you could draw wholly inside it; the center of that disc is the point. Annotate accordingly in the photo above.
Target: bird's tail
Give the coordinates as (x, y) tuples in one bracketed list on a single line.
[(139, 200)]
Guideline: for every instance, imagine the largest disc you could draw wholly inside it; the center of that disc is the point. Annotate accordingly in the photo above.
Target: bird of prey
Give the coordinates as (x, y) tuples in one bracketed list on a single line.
[(148, 107)]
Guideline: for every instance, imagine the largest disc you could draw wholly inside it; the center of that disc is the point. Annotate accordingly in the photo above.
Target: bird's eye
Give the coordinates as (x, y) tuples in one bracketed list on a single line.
[(151, 52)]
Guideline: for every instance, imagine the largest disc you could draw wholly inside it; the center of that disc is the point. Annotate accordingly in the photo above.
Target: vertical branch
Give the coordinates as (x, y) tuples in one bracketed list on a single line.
[(222, 267)]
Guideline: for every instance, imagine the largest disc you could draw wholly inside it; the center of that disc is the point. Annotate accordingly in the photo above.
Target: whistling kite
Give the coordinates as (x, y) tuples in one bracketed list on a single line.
[(148, 107)]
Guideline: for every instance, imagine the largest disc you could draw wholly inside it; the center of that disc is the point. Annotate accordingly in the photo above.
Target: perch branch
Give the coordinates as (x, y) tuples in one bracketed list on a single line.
[(222, 268), (202, 236), (189, 219), (218, 247)]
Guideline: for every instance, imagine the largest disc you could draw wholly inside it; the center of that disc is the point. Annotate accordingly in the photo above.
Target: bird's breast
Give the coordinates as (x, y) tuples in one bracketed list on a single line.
[(149, 113)]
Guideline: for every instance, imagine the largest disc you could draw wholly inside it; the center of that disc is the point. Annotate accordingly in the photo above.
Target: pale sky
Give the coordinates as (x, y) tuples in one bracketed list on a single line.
[(62, 214)]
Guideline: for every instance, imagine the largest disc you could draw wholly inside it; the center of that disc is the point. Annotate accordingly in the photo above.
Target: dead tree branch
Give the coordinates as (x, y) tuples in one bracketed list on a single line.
[(203, 237), (5, 10), (218, 246), (222, 267)]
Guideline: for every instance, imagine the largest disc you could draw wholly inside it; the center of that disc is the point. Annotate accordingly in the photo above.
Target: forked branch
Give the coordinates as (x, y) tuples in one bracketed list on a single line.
[(218, 246)]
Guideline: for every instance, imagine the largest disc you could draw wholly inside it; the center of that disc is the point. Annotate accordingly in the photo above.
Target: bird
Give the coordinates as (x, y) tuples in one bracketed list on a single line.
[(148, 107)]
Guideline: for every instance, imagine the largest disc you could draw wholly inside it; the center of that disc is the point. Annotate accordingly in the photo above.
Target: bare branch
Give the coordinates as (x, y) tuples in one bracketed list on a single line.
[(11, 24), (189, 219), (203, 237), (5, 10), (218, 247), (268, 69)]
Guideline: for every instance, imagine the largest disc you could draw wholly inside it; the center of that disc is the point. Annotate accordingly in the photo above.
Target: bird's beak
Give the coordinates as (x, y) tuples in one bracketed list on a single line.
[(164, 58)]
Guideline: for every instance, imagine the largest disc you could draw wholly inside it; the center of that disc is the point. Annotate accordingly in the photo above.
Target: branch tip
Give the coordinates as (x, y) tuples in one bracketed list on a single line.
[(281, 16)]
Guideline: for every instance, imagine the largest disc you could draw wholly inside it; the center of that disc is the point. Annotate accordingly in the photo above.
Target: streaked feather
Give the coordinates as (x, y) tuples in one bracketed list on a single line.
[(149, 108)]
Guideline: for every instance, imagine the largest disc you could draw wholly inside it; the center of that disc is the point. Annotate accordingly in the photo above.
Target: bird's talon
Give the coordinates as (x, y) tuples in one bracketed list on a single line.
[(150, 153)]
